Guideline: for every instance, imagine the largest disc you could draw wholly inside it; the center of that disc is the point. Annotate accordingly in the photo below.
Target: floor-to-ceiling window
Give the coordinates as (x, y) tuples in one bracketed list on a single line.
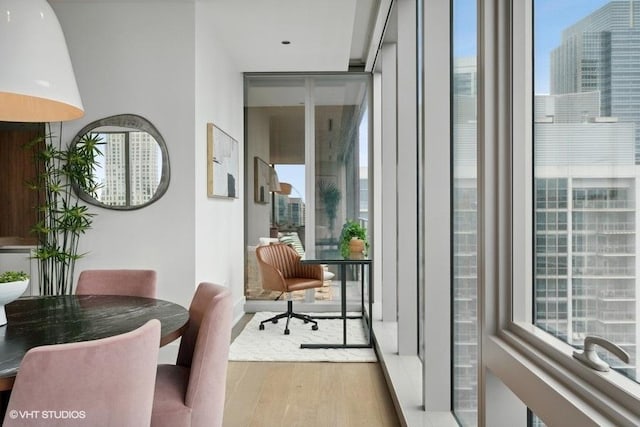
[(545, 232), (341, 133), (464, 212), (310, 132), (586, 115), (558, 193), (275, 141)]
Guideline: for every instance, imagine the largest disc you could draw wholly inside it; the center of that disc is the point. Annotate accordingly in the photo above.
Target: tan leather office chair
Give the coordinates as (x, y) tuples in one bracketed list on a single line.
[(282, 271)]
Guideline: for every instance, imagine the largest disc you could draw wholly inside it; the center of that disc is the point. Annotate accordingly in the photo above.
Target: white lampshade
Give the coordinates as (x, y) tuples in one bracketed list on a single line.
[(37, 83), (274, 183)]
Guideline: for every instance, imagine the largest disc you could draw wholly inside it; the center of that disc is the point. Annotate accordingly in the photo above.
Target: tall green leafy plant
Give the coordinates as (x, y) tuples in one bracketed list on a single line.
[(62, 219), (331, 196)]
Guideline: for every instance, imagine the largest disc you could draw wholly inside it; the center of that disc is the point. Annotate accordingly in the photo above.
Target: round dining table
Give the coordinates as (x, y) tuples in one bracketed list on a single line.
[(37, 321)]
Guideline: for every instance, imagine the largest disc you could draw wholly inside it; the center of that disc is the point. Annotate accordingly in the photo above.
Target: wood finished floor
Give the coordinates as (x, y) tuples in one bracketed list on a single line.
[(309, 394)]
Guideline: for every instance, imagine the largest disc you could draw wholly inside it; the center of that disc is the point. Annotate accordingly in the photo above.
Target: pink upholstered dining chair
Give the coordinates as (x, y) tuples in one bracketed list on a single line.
[(139, 283), (102, 383), (191, 392)]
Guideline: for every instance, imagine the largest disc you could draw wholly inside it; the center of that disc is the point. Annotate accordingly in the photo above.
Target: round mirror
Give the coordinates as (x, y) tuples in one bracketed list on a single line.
[(133, 164)]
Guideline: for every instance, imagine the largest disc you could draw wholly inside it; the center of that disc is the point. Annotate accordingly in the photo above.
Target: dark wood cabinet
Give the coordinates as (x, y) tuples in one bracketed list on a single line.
[(17, 167)]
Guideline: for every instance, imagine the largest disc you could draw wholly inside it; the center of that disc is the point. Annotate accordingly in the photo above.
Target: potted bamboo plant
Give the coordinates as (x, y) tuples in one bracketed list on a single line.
[(62, 219)]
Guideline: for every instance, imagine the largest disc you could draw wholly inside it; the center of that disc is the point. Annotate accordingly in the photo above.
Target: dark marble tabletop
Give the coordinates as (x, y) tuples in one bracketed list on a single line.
[(36, 321)]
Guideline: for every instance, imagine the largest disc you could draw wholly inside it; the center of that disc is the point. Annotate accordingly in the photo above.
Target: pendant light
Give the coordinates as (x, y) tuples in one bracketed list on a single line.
[(37, 83)]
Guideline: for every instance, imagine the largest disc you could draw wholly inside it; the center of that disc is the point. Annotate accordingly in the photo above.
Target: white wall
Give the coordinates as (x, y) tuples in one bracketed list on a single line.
[(139, 58), (161, 60), (219, 237)]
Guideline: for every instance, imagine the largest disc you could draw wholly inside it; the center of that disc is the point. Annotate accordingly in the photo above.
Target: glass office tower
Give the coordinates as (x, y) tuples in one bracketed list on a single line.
[(596, 54)]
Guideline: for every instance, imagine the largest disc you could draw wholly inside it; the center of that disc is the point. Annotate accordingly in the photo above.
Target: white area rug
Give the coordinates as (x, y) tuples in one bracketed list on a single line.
[(271, 344)]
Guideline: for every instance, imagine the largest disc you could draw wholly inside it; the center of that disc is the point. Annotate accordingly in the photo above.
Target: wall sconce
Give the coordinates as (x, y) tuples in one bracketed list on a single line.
[(37, 83)]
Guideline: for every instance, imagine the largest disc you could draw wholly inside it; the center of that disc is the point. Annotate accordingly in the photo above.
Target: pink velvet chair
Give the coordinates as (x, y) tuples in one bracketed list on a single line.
[(191, 392), (139, 283), (102, 383)]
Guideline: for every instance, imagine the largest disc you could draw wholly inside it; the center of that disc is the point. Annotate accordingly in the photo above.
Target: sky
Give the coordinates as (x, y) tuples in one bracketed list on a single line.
[(550, 18), (294, 175)]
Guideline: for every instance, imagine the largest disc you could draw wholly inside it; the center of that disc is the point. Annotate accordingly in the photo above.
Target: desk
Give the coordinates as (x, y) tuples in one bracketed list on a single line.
[(364, 314), (36, 321)]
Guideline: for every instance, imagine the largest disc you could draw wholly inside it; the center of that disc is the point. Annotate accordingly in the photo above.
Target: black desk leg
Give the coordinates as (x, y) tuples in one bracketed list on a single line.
[(366, 317), (343, 298), (362, 289), (370, 314)]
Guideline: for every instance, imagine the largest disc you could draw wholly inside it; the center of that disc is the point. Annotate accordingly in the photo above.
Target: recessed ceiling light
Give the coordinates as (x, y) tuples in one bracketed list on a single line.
[(285, 42)]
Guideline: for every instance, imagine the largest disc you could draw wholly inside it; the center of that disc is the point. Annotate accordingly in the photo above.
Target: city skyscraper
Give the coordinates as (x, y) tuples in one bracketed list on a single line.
[(585, 232), (586, 274), (597, 54), (131, 168), (465, 240)]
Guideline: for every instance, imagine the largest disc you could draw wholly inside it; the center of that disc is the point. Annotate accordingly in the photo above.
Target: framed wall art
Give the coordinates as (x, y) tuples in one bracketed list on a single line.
[(222, 163), (262, 176)]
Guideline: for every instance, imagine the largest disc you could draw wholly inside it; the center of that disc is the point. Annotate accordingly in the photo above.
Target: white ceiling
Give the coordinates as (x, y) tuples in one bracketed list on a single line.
[(325, 35)]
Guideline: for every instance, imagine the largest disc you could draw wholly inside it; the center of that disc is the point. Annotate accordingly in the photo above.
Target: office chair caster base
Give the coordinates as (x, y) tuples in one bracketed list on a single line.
[(288, 315)]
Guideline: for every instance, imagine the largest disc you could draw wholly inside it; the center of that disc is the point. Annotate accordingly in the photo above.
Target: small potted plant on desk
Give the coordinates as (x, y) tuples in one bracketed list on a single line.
[(353, 240), (12, 285)]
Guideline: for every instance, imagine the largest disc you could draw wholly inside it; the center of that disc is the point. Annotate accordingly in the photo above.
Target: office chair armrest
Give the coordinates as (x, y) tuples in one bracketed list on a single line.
[(272, 278), (310, 271)]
